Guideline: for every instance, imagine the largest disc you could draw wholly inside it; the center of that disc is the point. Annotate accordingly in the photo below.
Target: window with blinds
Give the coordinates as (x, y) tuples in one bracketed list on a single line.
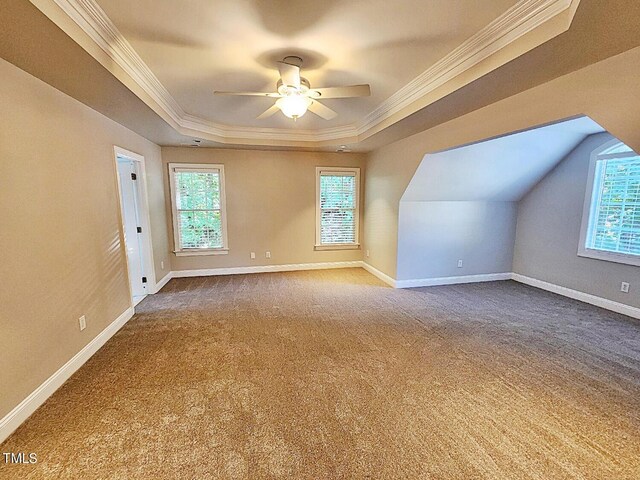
[(198, 207), (614, 216), (337, 207)]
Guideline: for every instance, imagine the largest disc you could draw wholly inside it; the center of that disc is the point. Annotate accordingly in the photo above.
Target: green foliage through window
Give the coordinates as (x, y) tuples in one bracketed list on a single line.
[(198, 207), (615, 217), (337, 209)]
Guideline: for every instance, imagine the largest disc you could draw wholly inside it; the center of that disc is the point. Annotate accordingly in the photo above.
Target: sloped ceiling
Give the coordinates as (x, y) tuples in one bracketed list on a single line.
[(502, 169)]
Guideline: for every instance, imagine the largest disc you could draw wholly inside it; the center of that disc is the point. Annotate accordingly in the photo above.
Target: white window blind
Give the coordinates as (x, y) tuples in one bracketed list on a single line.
[(614, 223), (338, 207), (198, 201)]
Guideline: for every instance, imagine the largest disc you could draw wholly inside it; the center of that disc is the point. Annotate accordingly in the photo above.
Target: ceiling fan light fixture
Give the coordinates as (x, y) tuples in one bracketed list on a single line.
[(295, 96), (294, 106)]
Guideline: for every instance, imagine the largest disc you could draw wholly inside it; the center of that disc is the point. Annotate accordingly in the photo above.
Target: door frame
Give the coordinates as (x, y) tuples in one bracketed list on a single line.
[(145, 218)]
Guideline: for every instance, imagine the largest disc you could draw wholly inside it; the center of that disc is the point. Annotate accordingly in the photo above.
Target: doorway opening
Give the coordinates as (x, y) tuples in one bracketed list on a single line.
[(135, 223)]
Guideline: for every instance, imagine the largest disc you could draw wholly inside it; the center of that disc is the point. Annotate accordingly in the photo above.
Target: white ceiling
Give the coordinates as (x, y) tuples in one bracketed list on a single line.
[(196, 46), (500, 169)]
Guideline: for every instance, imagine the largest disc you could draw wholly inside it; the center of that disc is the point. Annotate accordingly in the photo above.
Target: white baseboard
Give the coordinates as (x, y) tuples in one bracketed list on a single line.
[(163, 282), (581, 296), (432, 282), (263, 269), (20, 413), (377, 273), (422, 282)]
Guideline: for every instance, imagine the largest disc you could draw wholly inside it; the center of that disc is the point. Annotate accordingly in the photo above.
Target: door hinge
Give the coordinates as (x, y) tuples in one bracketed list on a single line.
[(144, 279), (134, 176), (139, 229)]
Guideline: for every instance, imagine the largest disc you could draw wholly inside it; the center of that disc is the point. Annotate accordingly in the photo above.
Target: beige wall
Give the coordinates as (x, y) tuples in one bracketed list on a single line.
[(270, 205), (62, 254), (157, 213), (606, 91)]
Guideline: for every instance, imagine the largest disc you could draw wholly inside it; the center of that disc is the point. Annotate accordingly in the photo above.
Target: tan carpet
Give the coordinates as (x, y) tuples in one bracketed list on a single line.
[(332, 375)]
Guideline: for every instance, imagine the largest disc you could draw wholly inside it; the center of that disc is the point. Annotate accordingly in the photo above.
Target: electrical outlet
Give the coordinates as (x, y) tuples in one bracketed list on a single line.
[(162, 264), (459, 263), (253, 255), (267, 254), (83, 322), (367, 253), (624, 287)]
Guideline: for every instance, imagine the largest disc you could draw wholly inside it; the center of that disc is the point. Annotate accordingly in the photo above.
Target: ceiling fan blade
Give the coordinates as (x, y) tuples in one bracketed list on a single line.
[(322, 111), (270, 111), (250, 94), (341, 92), (290, 74)]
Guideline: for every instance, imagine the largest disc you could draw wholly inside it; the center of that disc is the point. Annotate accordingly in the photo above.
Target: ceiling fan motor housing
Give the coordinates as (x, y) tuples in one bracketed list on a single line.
[(295, 96), (291, 89)]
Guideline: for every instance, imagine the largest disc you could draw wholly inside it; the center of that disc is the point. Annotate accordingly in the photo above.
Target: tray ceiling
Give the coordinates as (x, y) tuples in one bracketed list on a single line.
[(174, 54), (199, 46)]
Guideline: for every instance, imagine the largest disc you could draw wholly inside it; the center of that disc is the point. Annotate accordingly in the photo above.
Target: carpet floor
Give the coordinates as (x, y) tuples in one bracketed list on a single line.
[(332, 375)]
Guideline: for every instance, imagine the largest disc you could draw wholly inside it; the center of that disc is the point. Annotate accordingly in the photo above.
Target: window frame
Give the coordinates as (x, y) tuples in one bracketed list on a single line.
[(198, 168), (320, 171), (588, 210)]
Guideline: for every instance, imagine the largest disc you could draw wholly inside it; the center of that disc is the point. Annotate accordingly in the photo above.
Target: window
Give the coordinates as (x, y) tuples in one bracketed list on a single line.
[(611, 217), (198, 203), (337, 208)]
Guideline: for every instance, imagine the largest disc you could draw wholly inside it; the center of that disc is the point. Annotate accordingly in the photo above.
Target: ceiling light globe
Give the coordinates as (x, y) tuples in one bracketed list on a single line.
[(294, 106)]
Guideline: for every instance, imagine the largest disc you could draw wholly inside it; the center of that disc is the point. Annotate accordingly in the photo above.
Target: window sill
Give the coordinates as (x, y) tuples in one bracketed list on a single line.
[(610, 257), (197, 252), (342, 246)]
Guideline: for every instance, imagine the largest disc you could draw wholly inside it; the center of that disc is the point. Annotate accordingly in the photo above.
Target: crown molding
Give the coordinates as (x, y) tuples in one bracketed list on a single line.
[(90, 17), (523, 18), (198, 124), (515, 23)]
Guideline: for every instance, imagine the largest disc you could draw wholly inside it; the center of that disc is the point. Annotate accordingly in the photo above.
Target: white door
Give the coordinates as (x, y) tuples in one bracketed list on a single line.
[(131, 217)]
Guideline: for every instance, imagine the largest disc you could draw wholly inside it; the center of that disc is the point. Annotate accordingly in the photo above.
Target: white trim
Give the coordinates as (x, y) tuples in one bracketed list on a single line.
[(614, 257), (377, 273), (197, 167), (607, 304), (233, 133), (521, 19), (338, 246), (589, 210), (163, 282), (149, 271), (137, 299), (24, 409), (264, 269), (581, 296), (355, 171), (588, 194), (193, 252), (432, 282), (136, 157), (90, 17)]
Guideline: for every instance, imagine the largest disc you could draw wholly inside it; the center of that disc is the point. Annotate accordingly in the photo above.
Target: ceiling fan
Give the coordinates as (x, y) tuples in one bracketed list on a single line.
[(295, 95)]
